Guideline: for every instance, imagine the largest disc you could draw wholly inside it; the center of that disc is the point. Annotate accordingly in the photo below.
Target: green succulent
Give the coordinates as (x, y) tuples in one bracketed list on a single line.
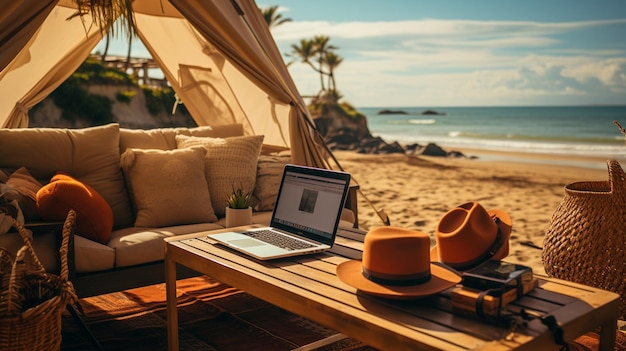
[(239, 199)]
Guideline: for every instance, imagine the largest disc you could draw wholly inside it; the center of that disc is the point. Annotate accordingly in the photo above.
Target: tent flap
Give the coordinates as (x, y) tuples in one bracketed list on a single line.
[(218, 56)]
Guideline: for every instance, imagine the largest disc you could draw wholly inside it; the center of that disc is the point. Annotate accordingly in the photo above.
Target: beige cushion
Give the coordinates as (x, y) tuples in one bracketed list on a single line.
[(168, 187), (135, 245), (223, 131), (229, 162), (91, 256), (269, 174), (91, 155), (164, 138)]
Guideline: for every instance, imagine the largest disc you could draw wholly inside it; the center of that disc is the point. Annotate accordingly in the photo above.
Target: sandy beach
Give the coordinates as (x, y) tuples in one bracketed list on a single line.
[(415, 192)]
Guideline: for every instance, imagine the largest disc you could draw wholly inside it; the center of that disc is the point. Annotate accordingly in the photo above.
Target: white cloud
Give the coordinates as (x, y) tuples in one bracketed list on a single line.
[(457, 62), (504, 42), (611, 72)]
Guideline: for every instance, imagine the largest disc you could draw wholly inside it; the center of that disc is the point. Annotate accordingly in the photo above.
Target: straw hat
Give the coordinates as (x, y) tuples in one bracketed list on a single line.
[(396, 265), (469, 235)]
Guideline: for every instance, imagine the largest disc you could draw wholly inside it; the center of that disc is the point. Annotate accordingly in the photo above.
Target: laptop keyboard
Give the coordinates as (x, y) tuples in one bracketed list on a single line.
[(282, 241)]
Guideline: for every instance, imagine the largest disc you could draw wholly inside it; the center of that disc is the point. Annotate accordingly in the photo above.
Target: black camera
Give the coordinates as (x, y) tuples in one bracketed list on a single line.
[(498, 277)]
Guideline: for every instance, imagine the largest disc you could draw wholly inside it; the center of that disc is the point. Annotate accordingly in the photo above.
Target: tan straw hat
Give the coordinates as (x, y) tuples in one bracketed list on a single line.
[(396, 265), (469, 235)]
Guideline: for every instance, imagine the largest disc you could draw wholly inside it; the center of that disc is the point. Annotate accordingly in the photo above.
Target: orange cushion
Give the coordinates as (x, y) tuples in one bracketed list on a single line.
[(94, 216)]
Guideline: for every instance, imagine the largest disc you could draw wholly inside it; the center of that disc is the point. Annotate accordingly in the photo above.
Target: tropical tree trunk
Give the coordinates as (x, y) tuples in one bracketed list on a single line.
[(106, 48), (130, 46)]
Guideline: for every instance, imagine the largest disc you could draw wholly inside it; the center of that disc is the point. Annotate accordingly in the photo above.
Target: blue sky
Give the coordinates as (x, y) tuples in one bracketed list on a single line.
[(464, 53)]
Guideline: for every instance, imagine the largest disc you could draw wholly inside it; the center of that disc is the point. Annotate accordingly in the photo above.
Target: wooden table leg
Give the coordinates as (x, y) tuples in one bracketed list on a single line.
[(607, 334), (172, 313)]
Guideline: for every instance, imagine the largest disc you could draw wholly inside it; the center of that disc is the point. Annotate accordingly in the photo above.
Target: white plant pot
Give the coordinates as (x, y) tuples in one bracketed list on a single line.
[(238, 216)]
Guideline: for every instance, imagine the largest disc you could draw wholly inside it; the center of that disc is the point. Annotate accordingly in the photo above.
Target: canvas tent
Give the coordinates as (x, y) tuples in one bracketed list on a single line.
[(218, 56)]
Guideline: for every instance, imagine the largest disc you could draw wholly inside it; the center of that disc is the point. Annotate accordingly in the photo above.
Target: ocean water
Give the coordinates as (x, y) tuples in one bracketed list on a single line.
[(574, 130)]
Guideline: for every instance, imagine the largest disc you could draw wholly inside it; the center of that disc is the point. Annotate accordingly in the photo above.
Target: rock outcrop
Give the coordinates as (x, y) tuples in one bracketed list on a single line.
[(342, 131), (392, 112), (432, 113)]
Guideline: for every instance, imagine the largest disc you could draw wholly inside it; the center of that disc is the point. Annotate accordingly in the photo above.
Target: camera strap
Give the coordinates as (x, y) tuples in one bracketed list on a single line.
[(550, 322), (512, 318), (480, 301)]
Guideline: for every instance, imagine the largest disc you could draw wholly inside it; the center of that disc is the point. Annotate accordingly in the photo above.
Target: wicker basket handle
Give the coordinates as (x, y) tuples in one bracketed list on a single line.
[(68, 226), (22, 265), (617, 177), (27, 238)]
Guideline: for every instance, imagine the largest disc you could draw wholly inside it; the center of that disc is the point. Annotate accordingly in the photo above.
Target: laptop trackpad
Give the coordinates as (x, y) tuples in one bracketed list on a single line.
[(246, 242)]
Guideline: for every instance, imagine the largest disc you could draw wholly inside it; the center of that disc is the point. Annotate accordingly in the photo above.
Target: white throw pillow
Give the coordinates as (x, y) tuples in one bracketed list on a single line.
[(229, 162), (168, 187)]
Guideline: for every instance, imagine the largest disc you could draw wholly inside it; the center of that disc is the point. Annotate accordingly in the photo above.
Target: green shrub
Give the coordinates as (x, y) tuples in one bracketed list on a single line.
[(125, 96), (93, 71), (158, 100), (76, 103)]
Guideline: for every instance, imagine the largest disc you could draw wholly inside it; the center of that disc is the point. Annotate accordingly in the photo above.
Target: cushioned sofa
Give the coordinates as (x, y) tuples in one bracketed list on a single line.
[(130, 189)]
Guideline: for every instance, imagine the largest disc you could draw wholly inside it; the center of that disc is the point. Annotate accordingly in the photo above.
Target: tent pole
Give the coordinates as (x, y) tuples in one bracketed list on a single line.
[(381, 213)]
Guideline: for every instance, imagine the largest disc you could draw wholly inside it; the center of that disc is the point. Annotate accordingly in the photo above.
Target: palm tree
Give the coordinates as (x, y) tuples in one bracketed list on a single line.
[(110, 17), (332, 60), (320, 42), (327, 60), (272, 17), (106, 47), (106, 13), (306, 51)]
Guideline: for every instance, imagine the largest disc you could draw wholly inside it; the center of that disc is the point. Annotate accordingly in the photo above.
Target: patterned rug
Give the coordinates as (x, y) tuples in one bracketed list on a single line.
[(212, 316)]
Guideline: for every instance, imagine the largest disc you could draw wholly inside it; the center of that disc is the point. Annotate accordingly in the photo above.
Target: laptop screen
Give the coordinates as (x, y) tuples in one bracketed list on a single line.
[(310, 201)]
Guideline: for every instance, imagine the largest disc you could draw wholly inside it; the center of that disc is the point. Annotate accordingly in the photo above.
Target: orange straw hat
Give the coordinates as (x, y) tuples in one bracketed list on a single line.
[(469, 235), (396, 265)]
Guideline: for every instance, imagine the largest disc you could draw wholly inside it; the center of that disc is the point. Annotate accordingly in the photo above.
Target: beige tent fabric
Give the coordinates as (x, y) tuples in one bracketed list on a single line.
[(18, 22), (254, 52), (223, 65), (194, 70), (48, 59)]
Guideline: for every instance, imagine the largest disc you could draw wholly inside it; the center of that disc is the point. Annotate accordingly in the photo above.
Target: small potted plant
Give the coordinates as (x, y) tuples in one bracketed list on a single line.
[(238, 211)]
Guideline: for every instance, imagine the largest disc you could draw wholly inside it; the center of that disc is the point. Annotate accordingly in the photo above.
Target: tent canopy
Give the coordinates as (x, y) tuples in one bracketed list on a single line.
[(218, 56)]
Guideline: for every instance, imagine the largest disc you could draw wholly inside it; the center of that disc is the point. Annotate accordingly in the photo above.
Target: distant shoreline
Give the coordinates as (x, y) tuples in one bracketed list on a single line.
[(488, 106), (556, 160)]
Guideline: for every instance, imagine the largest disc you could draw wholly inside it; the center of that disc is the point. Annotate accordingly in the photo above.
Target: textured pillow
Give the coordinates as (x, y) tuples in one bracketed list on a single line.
[(165, 138), (269, 173), (27, 186), (168, 187), (91, 155), (229, 162), (94, 216)]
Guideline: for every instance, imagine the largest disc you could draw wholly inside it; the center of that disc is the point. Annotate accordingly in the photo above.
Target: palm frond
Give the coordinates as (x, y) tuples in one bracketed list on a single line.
[(105, 14)]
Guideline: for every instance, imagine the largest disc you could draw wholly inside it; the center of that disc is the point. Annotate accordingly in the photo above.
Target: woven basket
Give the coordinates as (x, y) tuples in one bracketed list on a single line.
[(586, 238), (31, 300)]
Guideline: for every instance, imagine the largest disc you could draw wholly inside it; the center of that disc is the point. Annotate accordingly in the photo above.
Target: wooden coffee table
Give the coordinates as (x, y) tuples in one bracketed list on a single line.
[(308, 286)]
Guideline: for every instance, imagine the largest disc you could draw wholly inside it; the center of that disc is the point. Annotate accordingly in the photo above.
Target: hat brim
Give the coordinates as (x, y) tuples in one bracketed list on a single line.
[(505, 224), (441, 279)]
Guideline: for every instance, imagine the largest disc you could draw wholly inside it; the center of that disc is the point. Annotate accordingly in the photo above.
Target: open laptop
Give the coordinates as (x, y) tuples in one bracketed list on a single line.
[(307, 212)]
